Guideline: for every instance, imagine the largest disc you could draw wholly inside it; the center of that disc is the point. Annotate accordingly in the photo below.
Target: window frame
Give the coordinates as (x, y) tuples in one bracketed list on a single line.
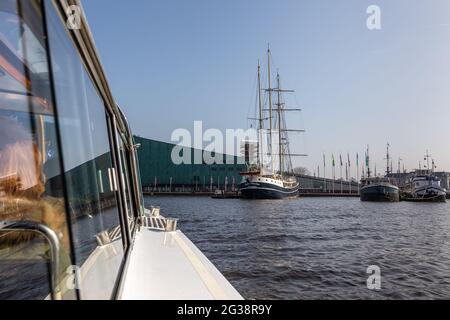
[(116, 122)]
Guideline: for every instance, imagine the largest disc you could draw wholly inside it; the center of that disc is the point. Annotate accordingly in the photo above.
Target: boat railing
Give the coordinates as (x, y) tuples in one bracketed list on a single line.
[(51, 237), (152, 219)]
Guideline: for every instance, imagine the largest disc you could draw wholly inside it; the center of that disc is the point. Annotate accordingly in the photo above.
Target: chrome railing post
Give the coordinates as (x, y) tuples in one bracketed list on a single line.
[(51, 238)]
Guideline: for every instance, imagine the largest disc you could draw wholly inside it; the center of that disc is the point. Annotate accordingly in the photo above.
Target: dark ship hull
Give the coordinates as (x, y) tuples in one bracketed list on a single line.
[(252, 190), (380, 193), (430, 194)]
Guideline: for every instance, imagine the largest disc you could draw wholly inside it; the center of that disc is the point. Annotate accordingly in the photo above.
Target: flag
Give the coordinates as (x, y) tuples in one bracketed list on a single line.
[(357, 159), (348, 157), (367, 159), (324, 164), (333, 163), (340, 156)]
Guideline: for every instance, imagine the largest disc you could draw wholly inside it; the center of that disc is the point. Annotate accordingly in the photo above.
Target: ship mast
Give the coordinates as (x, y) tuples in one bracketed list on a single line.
[(280, 149), (269, 90), (283, 151), (261, 123)]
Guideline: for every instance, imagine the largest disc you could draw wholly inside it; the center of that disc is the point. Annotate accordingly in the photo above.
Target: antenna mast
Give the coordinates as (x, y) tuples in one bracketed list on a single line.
[(368, 162)]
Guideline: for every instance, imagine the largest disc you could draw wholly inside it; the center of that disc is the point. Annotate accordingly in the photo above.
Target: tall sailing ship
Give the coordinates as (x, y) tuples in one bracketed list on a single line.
[(272, 176)]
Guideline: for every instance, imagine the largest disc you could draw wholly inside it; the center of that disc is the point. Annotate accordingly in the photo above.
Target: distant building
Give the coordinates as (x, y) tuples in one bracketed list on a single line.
[(318, 184), (401, 178), (159, 173)]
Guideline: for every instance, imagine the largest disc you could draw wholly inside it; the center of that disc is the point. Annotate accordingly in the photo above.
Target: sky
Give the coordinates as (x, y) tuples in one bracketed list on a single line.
[(172, 62)]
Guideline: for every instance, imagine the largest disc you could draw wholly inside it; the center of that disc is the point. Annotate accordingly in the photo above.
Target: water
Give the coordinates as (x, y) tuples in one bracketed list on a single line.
[(320, 248)]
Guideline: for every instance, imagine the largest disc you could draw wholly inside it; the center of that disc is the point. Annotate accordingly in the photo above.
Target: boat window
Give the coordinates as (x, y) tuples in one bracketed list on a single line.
[(138, 196), (31, 189), (90, 175), (126, 180)]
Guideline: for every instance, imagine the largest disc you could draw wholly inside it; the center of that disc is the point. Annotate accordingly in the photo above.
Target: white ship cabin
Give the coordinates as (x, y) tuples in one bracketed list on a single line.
[(72, 218), (375, 180), (423, 180), (274, 180)]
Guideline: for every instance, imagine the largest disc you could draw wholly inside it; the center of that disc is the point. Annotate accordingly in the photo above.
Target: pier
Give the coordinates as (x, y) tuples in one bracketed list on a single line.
[(324, 186), (310, 186), (319, 193), (232, 195)]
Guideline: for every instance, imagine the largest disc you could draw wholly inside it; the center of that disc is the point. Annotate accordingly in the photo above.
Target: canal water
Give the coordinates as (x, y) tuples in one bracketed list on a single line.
[(320, 248)]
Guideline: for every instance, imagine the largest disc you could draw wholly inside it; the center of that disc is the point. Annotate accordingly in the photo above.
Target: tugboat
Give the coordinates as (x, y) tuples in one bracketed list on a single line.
[(424, 186), (261, 181), (378, 189)]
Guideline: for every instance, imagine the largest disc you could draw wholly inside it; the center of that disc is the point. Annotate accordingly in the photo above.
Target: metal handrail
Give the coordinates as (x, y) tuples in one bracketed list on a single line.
[(51, 238)]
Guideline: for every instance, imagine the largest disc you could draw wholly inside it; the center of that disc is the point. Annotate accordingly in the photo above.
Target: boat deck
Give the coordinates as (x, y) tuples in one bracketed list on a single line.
[(168, 266)]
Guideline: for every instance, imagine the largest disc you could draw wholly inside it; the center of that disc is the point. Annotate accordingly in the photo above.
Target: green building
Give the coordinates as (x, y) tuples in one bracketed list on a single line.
[(159, 173)]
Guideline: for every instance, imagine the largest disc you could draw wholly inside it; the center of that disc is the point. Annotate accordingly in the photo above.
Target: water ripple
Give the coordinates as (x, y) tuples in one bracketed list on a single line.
[(320, 248)]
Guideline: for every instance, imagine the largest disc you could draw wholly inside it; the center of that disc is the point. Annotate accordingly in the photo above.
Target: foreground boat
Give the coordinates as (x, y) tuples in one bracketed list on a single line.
[(72, 218)]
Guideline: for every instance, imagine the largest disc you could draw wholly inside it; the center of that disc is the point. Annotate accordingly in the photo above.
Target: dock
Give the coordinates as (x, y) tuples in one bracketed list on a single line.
[(328, 195), (233, 195)]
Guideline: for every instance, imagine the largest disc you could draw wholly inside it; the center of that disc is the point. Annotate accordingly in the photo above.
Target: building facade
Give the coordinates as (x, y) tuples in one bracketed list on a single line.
[(160, 174)]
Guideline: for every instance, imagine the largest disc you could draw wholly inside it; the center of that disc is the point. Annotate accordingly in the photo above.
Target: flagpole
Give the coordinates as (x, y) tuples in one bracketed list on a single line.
[(341, 173), (334, 173), (324, 174), (334, 179), (349, 180), (340, 158), (349, 173), (357, 170)]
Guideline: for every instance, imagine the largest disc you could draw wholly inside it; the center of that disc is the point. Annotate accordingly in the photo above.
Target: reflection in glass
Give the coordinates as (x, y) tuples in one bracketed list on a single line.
[(125, 174), (30, 188), (89, 172)]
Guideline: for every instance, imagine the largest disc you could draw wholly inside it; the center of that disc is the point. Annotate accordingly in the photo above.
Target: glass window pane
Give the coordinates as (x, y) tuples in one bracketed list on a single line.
[(125, 174), (30, 175), (90, 174)]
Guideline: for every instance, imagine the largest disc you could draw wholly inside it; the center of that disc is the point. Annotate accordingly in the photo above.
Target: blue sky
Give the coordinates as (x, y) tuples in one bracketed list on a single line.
[(172, 62)]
